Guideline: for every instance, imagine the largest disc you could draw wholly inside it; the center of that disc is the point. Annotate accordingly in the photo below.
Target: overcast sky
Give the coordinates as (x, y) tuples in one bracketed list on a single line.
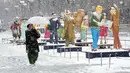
[(2, 6), (2, 11)]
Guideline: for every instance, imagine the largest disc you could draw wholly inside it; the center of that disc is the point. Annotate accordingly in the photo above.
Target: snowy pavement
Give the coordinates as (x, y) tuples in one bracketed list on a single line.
[(13, 59)]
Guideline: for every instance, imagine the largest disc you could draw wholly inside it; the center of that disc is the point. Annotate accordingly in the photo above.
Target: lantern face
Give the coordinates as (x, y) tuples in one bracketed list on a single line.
[(99, 9), (16, 6), (31, 0), (45, 25), (121, 2), (7, 9), (25, 4), (35, 26), (113, 11), (22, 2)]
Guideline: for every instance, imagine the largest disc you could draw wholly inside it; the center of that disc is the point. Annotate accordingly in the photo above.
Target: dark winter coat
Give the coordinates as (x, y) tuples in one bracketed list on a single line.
[(54, 24), (31, 40)]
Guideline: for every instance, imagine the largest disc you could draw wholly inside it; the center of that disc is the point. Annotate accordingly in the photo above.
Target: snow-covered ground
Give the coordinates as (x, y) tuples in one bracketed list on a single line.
[(13, 59)]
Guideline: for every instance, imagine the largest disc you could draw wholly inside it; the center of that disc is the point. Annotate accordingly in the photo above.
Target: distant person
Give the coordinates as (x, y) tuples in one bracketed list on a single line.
[(23, 28), (16, 30), (54, 26), (47, 32), (32, 47)]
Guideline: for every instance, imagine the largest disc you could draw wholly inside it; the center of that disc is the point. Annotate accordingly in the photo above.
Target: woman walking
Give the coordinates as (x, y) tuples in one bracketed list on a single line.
[(32, 47)]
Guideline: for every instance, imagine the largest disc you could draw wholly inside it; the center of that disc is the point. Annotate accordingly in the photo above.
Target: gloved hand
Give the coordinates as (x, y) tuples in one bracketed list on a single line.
[(99, 24), (115, 5), (27, 51), (110, 29), (87, 27), (36, 50)]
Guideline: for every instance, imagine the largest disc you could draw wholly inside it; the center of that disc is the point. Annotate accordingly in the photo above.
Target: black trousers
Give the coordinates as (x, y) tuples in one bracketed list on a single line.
[(32, 57)]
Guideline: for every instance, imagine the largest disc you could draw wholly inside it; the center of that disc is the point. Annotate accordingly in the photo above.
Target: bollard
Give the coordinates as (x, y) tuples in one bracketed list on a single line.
[(53, 49), (43, 48), (48, 49), (64, 53), (101, 58), (2, 40), (7, 41), (60, 51), (14, 43), (125, 43), (70, 53), (116, 55), (77, 54), (88, 58), (109, 60)]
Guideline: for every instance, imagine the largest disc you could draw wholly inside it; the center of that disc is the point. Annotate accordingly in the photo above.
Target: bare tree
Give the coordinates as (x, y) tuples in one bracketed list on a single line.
[(46, 7)]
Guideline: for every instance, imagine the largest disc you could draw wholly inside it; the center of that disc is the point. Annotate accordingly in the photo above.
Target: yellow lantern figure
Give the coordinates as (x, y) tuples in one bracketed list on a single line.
[(46, 25), (99, 9), (35, 26)]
